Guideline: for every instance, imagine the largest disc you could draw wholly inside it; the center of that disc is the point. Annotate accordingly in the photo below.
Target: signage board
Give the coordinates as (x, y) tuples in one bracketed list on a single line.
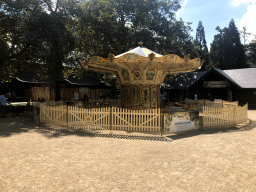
[(180, 121), (215, 84)]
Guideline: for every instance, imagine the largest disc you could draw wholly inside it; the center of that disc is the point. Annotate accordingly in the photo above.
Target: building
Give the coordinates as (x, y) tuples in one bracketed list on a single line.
[(230, 85), (28, 86)]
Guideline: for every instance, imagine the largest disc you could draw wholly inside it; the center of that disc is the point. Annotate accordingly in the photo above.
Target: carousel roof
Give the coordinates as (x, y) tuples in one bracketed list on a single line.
[(142, 51), (142, 58), (142, 65)]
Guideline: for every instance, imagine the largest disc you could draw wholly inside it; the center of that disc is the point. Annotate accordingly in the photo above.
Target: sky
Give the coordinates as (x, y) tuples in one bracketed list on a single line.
[(215, 13)]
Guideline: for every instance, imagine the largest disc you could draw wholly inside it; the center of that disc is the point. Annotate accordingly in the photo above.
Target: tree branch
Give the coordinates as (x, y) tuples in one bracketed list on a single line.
[(48, 4), (18, 54), (57, 4)]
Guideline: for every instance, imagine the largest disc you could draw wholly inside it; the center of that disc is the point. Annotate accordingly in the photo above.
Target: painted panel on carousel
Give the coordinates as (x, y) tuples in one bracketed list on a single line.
[(130, 57), (154, 97), (126, 95), (160, 76), (125, 75), (171, 58), (137, 75), (150, 74), (136, 95), (145, 95)]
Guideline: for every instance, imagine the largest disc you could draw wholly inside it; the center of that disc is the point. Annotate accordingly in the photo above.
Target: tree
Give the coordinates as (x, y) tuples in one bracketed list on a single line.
[(38, 37), (116, 25), (251, 53), (201, 43), (14, 45), (244, 34), (233, 49), (227, 52)]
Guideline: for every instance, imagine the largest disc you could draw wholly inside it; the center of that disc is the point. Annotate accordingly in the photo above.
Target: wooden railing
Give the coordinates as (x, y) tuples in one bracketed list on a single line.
[(136, 120), (148, 120), (226, 116), (102, 118), (204, 102)]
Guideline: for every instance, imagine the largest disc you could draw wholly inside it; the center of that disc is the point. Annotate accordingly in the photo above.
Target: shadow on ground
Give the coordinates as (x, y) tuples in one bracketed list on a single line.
[(208, 131), (14, 125), (21, 124)]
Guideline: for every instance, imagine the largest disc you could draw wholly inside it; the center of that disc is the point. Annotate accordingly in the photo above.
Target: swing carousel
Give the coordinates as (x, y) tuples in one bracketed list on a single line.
[(140, 72)]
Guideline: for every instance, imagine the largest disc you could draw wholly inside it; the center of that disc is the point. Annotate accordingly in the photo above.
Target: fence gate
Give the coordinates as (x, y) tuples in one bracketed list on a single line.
[(136, 120), (89, 118), (215, 117), (53, 114)]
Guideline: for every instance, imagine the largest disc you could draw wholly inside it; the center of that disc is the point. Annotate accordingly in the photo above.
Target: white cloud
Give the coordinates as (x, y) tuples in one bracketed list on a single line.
[(248, 18), (181, 7), (236, 3)]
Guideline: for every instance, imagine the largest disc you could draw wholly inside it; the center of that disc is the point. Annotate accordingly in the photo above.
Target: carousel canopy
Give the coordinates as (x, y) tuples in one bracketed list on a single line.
[(142, 58), (142, 66), (142, 51)]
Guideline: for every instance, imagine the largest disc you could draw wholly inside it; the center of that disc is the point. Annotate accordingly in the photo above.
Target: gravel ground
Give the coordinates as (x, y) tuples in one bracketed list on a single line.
[(34, 159)]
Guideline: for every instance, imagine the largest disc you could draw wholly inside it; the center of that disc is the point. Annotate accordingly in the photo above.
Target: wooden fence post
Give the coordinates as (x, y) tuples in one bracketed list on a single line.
[(234, 116), (110, 120), (67, 116), (161, 123)]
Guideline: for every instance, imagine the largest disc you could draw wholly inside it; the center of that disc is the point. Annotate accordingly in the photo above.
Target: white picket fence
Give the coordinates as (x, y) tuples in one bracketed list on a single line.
[(106, 118), (225, 116)]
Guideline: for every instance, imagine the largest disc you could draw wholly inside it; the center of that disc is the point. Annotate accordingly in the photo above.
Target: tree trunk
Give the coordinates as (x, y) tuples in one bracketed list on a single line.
[(57, 90)]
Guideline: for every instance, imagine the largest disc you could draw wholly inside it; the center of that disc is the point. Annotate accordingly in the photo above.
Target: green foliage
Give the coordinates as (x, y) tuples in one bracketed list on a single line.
[(251, 53), (45, 34), (36, 34), (227, 52), (116, 25), (201, 43)]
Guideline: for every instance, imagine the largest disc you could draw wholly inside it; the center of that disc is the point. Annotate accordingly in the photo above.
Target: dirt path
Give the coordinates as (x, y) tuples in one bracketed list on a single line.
[(34, 159)]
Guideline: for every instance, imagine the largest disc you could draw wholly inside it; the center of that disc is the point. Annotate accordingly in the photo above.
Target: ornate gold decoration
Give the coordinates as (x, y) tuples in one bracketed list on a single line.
[(146, 73), (95, 59), (137, 74), (151, 56), (187, 57), (130, 56), (88, 118), (111, 57), (171, 58)]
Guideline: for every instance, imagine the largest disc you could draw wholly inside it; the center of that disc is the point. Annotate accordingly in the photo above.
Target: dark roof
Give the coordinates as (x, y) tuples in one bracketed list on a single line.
[(222, 73), (244, 78), (183, 80), (90, 80), (85, 79), (31, 77)]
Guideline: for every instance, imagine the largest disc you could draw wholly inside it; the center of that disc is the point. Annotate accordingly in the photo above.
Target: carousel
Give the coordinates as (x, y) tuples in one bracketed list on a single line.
[(140, 72)]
